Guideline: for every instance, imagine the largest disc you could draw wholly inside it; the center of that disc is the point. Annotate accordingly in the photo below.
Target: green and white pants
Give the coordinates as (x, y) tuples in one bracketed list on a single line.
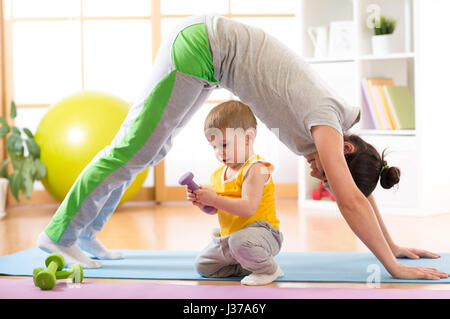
[(202, 52), (181, 81)]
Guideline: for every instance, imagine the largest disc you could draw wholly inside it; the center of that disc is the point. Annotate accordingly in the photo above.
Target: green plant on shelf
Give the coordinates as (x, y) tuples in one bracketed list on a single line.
[(24, 154), (384, 25)]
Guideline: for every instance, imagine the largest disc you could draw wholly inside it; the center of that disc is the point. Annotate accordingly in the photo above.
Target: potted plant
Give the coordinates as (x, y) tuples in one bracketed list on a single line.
[(24, 155), (383, 41)]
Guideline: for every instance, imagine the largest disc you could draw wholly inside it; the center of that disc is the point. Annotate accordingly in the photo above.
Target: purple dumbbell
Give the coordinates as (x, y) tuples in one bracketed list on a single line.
[(187, 179)]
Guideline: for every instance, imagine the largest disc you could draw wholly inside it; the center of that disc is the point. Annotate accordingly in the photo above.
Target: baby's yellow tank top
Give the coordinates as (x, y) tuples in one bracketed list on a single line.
[(232, 188)]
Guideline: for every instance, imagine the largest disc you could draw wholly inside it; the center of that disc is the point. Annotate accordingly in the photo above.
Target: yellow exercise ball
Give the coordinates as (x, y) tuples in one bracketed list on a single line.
[(73, 131)]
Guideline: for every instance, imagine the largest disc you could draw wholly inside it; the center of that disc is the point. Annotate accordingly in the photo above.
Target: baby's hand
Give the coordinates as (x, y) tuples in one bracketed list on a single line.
[(190, 196), (206, 196)]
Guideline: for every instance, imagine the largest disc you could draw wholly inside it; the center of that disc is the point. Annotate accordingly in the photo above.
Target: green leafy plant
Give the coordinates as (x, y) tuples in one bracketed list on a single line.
[(24, 154), (385, 25)]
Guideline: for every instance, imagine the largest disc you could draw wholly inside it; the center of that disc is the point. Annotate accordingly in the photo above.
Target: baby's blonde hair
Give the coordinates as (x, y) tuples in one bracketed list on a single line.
[(230, 114)]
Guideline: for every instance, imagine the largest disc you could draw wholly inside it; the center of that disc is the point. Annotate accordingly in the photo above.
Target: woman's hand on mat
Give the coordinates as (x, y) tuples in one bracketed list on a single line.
[(412, 253), (412, 272), (206, 196)]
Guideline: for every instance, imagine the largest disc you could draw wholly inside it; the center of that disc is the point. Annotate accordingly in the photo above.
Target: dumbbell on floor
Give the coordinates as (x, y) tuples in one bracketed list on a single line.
[(75, 272), (46, 278)]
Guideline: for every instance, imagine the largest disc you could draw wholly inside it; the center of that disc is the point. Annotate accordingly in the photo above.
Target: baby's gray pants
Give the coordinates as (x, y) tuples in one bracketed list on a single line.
[(249, 250)]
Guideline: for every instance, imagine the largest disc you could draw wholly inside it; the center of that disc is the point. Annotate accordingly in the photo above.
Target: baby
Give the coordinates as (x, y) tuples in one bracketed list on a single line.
[(243, 196)]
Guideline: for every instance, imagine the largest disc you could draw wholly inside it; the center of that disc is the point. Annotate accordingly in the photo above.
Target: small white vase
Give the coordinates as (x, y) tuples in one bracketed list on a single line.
[(4, 182), (384, 44)]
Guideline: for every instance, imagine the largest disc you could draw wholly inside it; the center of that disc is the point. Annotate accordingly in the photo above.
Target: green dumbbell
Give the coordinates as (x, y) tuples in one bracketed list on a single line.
[(75, 272), (46, 279), (36, 271)]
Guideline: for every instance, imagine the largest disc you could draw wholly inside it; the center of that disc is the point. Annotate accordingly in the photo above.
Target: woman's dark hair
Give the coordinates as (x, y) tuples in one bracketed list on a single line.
[(365, 165)]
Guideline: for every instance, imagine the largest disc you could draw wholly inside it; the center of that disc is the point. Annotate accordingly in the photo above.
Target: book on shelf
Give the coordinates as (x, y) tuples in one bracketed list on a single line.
[(402, 104), (370, 120), (387, 106)]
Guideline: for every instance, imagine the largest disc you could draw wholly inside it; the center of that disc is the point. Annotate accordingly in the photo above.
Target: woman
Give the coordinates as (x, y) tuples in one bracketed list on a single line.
[(201, 54)]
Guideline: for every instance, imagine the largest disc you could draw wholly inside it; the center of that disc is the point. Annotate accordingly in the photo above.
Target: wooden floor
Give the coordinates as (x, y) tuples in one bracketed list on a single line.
[(180, 226)]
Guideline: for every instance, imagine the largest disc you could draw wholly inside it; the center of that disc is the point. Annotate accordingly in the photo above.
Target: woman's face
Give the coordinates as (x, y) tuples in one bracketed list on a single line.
[(317, 171)]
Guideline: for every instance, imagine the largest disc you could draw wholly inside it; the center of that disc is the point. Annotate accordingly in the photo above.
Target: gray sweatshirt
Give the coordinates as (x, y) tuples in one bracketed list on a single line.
[(282, 90)]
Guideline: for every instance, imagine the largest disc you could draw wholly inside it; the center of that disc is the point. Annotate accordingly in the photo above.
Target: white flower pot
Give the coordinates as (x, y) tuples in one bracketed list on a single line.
[(384, 44), (4, 182)]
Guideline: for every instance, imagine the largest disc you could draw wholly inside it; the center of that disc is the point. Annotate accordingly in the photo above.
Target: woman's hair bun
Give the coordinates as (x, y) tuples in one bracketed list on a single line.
[(390, 176)]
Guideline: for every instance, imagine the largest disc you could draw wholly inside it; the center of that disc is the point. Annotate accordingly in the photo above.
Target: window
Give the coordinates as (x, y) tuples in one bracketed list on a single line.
[(61, 47)]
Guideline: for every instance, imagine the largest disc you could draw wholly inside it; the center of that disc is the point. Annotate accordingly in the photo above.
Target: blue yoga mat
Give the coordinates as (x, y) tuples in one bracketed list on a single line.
[(178, 265)]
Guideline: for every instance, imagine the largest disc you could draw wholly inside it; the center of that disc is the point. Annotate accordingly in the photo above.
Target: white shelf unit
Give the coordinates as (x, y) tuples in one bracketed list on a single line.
[(421, 154)]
